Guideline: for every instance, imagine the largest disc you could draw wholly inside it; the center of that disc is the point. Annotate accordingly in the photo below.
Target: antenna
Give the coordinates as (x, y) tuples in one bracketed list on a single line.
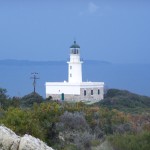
[(34, 77), (74, 39)]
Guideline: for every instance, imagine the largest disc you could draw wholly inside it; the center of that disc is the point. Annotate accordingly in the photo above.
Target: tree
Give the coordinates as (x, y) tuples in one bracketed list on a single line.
[(4, 102), (30, 99), (3, 93)]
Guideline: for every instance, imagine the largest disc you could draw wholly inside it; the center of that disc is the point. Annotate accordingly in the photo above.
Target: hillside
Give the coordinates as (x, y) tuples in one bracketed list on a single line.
[(76, 126), (125, 101)]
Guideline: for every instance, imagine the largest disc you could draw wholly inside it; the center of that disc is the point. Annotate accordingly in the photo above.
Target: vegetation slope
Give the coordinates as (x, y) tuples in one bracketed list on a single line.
[(122, 118), (125, 101)]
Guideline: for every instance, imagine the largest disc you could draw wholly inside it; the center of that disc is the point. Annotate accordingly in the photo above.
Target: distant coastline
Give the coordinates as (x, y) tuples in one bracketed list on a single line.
[(51, 62), (15, 75)]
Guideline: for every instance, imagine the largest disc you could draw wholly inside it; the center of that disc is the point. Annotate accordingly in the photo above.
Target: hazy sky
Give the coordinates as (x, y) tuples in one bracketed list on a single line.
[(112, 30)]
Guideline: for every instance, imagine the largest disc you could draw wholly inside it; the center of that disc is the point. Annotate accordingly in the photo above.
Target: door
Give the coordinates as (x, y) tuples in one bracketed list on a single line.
[(62, 96)]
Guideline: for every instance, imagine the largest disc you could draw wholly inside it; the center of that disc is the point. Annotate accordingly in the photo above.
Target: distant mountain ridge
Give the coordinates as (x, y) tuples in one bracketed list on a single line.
[(51, 62)]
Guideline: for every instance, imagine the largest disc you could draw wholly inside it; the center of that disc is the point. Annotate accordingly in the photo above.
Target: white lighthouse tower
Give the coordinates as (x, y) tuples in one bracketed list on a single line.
[(75, 65), (75, 89)]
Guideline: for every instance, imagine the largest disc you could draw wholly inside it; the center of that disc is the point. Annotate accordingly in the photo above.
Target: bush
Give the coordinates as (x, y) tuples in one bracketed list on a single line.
[(95, 142), (83, 141), (122, 128), (131, 141), (74, 121), (30, 99), (75, 130), (22, 122)]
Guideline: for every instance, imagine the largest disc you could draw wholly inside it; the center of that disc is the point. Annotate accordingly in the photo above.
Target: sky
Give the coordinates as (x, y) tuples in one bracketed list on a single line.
[(116, 31)]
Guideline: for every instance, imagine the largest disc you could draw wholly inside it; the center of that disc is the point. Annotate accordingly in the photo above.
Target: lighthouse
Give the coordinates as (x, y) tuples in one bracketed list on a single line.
[(75, 65), (75, 89)]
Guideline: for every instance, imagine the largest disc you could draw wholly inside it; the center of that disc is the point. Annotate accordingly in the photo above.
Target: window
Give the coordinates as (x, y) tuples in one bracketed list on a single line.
[(70, 67), (98, 91), (84, 92), (91, 92), (70, 75)]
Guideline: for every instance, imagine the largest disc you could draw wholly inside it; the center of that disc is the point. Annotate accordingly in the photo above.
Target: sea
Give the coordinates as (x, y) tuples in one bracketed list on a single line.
[(16, 75)]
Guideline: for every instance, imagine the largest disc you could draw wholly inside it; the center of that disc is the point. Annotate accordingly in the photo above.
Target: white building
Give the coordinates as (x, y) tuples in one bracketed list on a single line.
[(75, 89)]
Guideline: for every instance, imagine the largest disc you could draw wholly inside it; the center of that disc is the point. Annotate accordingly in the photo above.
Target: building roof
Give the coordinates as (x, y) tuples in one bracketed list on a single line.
[(74, 45)]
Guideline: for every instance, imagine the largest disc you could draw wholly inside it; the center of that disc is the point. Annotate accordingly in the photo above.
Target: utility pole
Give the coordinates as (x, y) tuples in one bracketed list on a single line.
[(34, 77)]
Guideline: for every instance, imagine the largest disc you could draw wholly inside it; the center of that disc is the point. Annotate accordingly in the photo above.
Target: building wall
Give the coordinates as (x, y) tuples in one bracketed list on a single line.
[(62, 87), (92, 93), (81, 97)]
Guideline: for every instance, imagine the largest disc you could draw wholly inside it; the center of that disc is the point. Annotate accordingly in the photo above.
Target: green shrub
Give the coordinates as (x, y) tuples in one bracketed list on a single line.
[(139, 141), (95, 142)]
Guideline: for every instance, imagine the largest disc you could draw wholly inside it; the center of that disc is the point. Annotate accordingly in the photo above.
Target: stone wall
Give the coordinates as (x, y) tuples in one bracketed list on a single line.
[(94, 96), (82, 97)]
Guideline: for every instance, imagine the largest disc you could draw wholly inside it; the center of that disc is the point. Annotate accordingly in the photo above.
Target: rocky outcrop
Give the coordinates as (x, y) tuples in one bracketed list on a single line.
[(28, 142), (10, 141)]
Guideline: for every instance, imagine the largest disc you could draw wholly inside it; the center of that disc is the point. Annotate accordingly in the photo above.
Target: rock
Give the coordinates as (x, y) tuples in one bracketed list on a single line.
[(30, 143), (10, 141)]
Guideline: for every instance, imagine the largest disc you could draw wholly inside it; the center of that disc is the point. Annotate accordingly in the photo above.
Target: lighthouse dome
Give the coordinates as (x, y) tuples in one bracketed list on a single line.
[(74, 49), (75, 45)]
